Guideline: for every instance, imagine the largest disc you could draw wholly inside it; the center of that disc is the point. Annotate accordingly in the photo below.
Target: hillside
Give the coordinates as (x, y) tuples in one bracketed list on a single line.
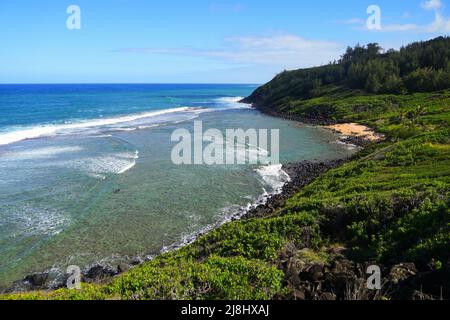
[(344, 90), (387, 206)]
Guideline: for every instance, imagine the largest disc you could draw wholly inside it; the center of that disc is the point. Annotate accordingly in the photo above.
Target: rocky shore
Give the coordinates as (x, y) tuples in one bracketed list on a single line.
[(288, 115), (301, 174)]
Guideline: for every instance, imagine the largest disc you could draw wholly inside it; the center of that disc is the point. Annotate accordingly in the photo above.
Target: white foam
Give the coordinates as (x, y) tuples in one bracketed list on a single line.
[(244, 153), (131, 165), (99, 166), (274, 176), (233, 103), (40, 153), (230, 100), (31, 220), (19, 135), (49, 130), (349, 146)]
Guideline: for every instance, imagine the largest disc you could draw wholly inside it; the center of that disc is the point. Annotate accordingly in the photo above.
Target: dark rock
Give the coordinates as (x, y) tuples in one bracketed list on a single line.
[(342, 266), (431, 283), (19, 286), (292, 274), (299, 295), (137, 261), (98, 273), (123, 267), (401, 272), (317, 276), (37, 280), (316, 268)]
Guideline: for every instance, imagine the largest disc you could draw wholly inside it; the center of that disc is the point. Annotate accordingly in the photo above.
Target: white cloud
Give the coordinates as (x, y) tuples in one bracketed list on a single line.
[(440, 24), (285, 51), (353, 21), (431, 4), (399, 27)]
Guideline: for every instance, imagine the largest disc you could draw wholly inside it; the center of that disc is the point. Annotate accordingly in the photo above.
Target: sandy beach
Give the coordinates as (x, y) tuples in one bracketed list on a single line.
[(356, 130)]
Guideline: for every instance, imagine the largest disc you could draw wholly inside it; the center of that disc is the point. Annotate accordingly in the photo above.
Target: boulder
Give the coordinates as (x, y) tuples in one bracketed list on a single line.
[(123, 267), (137, 261), (37, 280), (402, 272), (98, 273)]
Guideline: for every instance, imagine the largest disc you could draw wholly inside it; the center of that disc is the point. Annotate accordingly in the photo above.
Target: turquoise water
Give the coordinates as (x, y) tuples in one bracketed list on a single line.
[(86, 174)]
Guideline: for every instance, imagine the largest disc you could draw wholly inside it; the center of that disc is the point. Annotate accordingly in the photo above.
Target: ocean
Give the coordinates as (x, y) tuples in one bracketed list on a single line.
[(86, 175)]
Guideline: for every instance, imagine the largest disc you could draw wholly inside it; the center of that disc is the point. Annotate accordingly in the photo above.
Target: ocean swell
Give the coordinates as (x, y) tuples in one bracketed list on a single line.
[(40, 131), (50, 130)]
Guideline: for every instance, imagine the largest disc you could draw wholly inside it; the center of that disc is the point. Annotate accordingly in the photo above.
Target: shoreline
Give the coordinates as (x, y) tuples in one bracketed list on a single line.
[(339, 271), (300, 175), (353, 134)]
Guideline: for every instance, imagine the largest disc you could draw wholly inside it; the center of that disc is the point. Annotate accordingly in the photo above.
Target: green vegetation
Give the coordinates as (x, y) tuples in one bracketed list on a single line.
[(390, 204), (419, 67)]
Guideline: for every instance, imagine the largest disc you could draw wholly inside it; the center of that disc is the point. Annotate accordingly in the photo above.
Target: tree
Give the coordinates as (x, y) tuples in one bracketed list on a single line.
[(393, 84), (373, 84)]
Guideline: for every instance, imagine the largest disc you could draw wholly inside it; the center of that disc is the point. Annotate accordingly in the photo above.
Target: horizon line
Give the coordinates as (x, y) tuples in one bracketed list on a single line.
[(123, 83)]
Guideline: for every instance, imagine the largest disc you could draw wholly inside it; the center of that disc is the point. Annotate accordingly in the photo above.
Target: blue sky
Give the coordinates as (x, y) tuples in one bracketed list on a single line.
[(197, 41)]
